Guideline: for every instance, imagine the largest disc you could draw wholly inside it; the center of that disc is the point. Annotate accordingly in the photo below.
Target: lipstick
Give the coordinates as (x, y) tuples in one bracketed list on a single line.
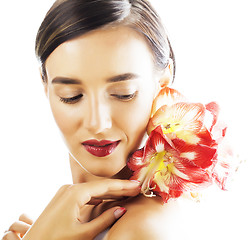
[(100, 148)]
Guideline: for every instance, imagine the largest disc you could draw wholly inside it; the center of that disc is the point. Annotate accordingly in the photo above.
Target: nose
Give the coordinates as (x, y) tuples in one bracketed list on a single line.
[(97, 116)]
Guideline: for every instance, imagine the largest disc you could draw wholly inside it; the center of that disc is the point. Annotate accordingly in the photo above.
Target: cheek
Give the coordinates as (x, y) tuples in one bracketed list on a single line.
[(66, 119), (134, 118)]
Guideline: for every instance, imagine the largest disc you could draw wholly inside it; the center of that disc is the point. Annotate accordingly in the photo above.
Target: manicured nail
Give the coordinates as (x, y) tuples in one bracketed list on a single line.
[(119, 212)]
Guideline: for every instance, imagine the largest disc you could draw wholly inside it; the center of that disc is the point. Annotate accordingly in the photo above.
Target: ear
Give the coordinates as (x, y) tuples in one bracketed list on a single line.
[(45, 85), (167, 76)]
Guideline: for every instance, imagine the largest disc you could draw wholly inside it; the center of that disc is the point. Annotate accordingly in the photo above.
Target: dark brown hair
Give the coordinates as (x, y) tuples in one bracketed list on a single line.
[(68, 19)]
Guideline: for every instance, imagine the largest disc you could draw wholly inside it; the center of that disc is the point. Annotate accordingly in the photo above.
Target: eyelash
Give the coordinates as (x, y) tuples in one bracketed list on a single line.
[(72, 99), (126, 97), (75, 99)]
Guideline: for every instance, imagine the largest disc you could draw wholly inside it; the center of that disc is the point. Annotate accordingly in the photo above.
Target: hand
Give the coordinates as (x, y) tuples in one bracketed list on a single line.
[(18, 229), (61, 218)]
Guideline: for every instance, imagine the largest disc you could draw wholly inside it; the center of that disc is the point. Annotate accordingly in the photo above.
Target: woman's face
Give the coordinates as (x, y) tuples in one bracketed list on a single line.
[(100, 87)]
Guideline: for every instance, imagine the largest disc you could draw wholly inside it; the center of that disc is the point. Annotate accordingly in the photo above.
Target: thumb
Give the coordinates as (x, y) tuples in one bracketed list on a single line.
[(105, 220)]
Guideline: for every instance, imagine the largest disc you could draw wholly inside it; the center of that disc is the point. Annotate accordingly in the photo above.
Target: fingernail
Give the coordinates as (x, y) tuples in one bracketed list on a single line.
[(119, 212), (135, 181)]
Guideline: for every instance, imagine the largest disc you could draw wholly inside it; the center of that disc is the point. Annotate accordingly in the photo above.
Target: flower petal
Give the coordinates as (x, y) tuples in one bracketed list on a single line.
[(167, 96), (179, 117), (157, 142), (195, 175), (140, 173), (214, 109), (205, 137), (219, 131), (225, 165), (183, 176), (136, 160), (201, 155)]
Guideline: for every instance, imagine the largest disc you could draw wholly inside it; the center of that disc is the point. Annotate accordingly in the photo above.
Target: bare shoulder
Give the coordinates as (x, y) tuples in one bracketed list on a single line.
[(145, 219)]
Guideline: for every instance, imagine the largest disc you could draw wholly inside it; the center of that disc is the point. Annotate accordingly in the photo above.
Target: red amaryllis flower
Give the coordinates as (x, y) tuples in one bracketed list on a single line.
[(161, 169), (182, 153), (182, 120)]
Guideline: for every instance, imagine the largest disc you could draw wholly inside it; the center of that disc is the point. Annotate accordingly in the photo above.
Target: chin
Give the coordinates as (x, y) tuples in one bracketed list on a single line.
[(108, 172), (112, 166)]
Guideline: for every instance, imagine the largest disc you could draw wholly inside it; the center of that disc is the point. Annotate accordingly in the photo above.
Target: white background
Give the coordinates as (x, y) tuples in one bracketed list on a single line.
[(210, 40)]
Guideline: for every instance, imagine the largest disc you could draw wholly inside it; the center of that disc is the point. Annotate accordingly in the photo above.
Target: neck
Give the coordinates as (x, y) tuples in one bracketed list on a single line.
[(80, 175)]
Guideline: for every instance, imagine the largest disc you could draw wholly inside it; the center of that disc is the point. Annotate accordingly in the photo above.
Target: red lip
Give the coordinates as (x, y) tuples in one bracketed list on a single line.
[(100, 148)]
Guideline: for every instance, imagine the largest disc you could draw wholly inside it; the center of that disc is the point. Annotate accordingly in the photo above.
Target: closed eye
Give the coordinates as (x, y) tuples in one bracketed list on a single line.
[(71, 100), (125, 97)]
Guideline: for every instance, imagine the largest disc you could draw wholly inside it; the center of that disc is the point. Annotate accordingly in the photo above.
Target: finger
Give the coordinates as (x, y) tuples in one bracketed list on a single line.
[(25, 218), (122, 194), (104, 221), (118, 189), (19, 227), (95, 201), (10, 236), (105, 188)]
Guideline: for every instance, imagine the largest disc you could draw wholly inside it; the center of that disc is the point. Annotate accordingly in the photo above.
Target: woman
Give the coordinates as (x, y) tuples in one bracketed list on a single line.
[(102, 64)]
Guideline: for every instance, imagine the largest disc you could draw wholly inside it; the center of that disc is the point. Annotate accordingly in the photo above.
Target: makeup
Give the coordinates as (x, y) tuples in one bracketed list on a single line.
[(100, 148)]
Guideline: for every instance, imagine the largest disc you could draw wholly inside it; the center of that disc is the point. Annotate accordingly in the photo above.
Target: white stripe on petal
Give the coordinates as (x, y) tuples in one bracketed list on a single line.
[(188, 155), (159, 147), (180, 174)]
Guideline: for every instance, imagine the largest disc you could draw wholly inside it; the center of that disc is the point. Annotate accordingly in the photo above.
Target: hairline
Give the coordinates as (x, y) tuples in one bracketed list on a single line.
[(123, 23)]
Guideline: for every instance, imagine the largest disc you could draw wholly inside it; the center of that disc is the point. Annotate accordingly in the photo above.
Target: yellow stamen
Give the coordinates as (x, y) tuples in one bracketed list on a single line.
[(169, 128), (157, 164)]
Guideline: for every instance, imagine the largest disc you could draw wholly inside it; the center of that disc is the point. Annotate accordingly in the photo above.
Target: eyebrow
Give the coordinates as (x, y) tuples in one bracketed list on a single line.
[(118, 78), (122, 77), (64, 80)]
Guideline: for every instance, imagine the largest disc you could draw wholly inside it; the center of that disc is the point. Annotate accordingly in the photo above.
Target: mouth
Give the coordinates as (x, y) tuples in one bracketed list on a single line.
[(100, 148)]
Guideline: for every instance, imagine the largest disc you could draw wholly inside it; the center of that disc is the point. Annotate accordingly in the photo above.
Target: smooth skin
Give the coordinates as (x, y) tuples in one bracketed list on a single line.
[(114, 84), (19, 228), (91, 97), (61, 219)]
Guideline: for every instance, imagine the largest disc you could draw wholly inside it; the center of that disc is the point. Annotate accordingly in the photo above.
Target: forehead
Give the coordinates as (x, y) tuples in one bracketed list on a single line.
[(107, 52)]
